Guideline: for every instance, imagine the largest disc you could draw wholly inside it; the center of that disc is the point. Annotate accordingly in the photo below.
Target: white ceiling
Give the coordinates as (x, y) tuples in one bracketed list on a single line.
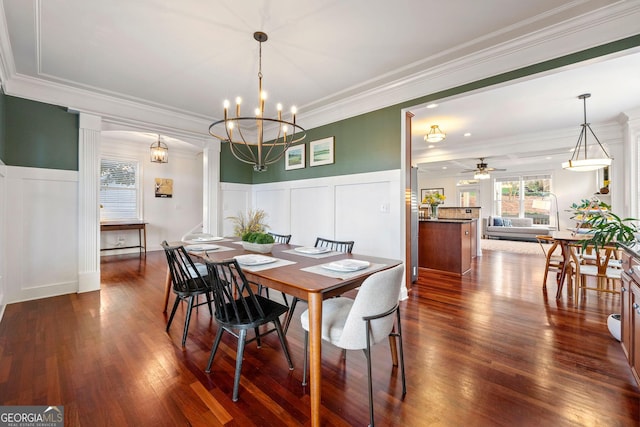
[(186, 57), (535, 121)]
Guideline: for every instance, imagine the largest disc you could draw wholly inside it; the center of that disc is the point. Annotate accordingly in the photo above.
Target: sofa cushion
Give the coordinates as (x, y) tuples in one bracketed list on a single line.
[(522, 222)]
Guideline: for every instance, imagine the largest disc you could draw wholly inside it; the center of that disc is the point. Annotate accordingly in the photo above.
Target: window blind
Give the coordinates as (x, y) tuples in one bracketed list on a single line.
[(118, 189)]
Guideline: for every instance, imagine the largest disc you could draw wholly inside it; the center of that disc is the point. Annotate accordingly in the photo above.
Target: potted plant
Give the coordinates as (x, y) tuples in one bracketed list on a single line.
[(434, 200), (251, 222), (258, 242), (607, 228), (603, 226)]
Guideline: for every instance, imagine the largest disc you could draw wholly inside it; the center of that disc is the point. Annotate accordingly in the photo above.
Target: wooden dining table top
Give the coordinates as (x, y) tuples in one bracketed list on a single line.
[(291, 278)]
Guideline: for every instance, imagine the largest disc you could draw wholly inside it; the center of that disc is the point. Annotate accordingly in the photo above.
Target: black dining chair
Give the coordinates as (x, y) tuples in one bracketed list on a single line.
[(345, 246), (237, 308), (189, 280), (281, 238)]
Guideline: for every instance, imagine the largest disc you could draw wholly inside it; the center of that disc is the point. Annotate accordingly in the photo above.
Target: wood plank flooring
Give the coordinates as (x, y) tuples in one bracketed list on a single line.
[(489, 349)]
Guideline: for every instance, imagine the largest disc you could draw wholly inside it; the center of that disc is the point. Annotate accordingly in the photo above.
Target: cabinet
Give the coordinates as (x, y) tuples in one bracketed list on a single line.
[(447, 245), (630, 311)]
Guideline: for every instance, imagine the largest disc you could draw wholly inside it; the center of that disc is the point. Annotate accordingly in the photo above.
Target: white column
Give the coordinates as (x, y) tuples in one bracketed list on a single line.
[(88, 203), (211, 188)]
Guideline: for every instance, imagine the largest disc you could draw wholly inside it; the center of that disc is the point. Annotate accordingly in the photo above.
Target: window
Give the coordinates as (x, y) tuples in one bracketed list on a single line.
[(118, 189), (524, 197), (469, 195)]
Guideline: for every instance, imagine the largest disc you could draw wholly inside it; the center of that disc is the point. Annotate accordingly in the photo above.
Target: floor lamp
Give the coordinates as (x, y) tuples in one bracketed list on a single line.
[(546, 205), (555, 198)]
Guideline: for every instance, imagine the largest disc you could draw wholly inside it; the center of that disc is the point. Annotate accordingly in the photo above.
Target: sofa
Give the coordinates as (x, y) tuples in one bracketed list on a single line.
[(495, 227)]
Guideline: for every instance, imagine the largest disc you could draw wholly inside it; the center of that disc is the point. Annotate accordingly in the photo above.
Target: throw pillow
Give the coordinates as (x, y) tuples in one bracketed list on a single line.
[(507, 222), (498, 222)]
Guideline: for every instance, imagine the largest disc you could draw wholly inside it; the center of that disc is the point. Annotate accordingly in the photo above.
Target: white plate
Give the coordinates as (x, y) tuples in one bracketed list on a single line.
[(311, 250), (254, 259), (347, 265), (207, 239), (200, 248)]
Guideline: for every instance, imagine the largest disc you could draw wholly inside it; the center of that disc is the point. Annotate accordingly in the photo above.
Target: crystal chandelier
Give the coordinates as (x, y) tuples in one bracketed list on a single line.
[(583, 163), (237, 130)]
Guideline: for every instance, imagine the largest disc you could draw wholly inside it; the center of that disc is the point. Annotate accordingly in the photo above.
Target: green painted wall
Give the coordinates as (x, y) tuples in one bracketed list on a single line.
[(371, 142), (3, 127), (40, 135)]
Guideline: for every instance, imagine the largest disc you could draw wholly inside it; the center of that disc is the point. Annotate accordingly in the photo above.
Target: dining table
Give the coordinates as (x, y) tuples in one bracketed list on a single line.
[(565, 239), (301, 272)]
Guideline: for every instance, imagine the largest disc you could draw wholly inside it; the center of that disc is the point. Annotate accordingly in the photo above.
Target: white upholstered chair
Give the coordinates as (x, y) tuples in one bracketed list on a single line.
[(356, 324)]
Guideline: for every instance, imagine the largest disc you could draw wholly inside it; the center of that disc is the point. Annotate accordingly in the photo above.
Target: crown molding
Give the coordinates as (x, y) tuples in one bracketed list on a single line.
[(592, 29), (587, 31)]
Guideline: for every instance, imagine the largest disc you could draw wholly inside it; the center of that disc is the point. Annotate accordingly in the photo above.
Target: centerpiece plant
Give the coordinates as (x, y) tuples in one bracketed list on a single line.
[(251, 222)]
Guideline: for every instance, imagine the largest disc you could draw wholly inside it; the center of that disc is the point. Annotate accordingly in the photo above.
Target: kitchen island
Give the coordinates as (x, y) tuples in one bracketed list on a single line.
[(447, 245)]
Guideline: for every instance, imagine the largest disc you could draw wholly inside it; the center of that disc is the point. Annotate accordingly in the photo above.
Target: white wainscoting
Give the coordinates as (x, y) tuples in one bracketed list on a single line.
[(42, 228), (365, 208)]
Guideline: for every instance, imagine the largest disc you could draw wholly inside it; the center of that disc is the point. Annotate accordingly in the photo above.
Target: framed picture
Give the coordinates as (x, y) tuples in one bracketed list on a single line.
[(164, 187), (294, 157), (430, 192), (321, 152)]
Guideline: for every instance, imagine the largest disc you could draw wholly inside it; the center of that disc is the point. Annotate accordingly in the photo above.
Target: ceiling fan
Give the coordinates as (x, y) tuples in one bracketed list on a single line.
[(482, 170)]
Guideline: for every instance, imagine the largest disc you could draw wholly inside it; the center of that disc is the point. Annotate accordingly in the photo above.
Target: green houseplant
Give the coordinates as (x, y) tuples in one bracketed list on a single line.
[(604, 226), (608, 228), (258, 242)]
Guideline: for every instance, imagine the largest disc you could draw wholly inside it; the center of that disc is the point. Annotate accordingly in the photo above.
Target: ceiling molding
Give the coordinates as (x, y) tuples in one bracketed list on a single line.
[(598, 27), (584, 32)]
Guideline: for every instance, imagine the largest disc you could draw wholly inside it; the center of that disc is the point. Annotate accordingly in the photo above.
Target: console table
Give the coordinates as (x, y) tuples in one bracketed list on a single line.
[(141, 226)]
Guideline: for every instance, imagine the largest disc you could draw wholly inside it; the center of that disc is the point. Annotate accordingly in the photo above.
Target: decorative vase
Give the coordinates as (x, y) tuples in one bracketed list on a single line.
[(262, 248), (434, 211)]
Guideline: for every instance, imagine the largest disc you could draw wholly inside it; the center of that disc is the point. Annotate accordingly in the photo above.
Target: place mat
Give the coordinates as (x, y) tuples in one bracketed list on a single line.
[(317, 256), (219, 249), (318, 269), (278, 263)]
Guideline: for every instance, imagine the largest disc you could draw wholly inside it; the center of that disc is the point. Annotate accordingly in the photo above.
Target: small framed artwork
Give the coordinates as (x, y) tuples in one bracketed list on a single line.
[(164, 187), (321, 151), (294, 157)]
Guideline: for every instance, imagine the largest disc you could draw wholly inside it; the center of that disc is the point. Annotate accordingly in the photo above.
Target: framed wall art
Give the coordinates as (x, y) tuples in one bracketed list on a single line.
[(321, 151), (294, 157), (164, 187)]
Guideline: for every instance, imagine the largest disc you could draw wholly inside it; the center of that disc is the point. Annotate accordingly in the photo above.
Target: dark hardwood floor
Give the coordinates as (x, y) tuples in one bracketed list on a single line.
[(489, 349)]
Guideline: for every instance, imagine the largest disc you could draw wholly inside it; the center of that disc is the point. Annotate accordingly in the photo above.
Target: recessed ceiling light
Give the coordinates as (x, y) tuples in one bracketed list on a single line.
[(444, 167), (548, 157), (434, 105), (467, 134), (430, 146)]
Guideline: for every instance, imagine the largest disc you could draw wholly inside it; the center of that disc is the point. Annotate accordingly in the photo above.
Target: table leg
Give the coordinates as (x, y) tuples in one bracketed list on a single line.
[(167, 290), (315, 347), (144, 231), (565, 262)]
